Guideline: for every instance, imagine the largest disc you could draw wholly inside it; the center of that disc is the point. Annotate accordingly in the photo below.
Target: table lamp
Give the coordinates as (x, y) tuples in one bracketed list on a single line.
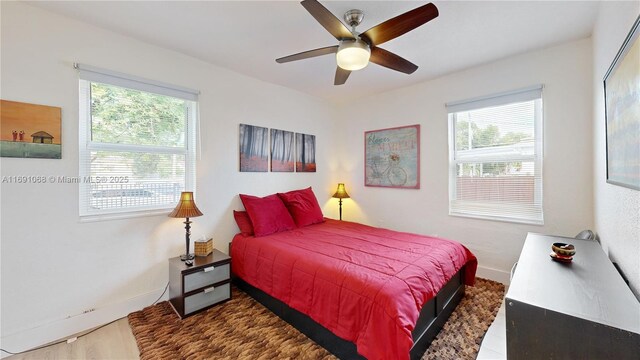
[(186, 208), (340, 194)]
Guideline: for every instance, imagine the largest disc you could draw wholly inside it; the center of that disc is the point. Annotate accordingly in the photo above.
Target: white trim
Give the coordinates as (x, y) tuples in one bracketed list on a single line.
[(502, 98), (453, 166), (91, 73), (192, 143), (493, 274), (65, 328), (496, 218), (198, 144), (539, 149), (84, 138), (128, 214)]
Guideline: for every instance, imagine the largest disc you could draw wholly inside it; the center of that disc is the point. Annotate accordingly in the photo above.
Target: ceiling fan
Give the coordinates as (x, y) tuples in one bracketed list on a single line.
[(355, 49)]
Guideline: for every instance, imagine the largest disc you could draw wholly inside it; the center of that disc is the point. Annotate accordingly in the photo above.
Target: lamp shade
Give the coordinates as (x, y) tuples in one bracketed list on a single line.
[(341, 193), (186, 207), (353, 54)]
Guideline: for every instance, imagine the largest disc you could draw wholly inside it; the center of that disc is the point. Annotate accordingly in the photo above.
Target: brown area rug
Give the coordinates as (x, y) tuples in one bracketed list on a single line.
[(244, 329), (463, 332)]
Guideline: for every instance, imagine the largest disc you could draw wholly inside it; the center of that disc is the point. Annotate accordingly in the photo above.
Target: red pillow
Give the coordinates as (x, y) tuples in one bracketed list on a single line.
[(303, 206), (268, 214), (244, 222)]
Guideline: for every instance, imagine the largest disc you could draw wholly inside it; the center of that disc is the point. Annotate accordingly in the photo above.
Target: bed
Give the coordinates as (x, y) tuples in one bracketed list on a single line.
[(356, 290)]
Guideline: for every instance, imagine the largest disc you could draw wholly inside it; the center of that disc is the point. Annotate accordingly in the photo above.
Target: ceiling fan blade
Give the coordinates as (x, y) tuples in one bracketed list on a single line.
[(400, 24), (309, 54), (341, 76), (327, 19), (392, 61)]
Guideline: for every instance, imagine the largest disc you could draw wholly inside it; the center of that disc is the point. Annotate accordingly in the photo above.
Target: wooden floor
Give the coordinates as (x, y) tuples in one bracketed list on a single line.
[(494, 344), (114, 341)]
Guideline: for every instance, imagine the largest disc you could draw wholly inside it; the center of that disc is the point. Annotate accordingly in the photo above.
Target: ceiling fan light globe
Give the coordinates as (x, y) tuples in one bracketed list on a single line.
[(353, 55)]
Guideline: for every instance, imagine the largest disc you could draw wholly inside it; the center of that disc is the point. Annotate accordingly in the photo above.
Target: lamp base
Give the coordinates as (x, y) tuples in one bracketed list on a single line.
[(185, 257)]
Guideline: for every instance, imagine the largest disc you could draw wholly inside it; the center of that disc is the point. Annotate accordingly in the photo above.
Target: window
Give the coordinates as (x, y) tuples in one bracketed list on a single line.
[(137, 143), (495, 167)]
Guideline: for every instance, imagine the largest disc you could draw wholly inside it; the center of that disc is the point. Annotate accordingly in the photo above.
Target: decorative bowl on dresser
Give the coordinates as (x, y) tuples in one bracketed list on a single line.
[(196, 288), (563, 249)]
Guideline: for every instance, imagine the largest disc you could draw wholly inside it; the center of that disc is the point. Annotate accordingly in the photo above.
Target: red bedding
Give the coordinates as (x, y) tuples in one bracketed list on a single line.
[(366, 285)]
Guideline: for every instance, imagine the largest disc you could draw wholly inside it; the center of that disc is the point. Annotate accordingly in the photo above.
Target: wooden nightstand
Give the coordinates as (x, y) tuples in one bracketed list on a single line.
[(196, 288)]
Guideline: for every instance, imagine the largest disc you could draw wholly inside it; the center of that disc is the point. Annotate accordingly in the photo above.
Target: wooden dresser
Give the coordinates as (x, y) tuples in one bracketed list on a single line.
[(579, 310)]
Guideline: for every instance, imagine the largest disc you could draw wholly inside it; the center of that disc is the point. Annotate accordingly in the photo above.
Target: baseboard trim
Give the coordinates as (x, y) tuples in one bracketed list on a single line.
[(494, 274), (67, 328)]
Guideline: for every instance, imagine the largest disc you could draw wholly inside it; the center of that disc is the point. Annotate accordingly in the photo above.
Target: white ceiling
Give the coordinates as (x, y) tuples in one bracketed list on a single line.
[(247, 36)]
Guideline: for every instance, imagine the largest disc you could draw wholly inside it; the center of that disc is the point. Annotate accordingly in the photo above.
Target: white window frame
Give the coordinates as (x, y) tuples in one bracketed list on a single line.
[(89, 74), (500, 213)]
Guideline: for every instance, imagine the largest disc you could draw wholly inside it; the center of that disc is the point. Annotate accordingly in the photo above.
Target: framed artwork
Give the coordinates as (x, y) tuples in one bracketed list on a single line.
[(392, 157), (622, 113), (30, 131), (305, 153), (254, 148), (282, 151)]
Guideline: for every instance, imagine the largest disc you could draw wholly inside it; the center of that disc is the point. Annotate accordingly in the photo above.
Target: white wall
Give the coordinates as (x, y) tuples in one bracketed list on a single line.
[(53, 266), (617, 209), (565, 72)]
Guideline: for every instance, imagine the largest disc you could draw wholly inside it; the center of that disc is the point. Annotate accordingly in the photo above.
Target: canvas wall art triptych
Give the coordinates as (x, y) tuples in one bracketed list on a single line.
[(288, 151)]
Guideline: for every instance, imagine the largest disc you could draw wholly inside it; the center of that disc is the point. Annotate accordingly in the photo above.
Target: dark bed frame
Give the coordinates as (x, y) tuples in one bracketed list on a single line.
[(433, 316)]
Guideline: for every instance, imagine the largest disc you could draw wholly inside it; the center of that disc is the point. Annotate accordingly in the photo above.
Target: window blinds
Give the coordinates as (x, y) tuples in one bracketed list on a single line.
[(98, 75), (496, 157), (521, 95), (137, 144)]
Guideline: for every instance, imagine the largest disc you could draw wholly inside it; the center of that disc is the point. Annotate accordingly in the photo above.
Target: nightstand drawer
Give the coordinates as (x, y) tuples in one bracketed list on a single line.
[(207, 276), (207, 297)]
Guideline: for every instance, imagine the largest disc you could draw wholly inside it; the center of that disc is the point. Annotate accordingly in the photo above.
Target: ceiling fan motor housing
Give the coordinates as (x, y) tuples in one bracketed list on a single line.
[(353, 17)]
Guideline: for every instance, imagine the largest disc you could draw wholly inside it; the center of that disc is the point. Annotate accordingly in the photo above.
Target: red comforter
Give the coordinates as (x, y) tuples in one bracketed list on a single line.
[(366, 285)]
